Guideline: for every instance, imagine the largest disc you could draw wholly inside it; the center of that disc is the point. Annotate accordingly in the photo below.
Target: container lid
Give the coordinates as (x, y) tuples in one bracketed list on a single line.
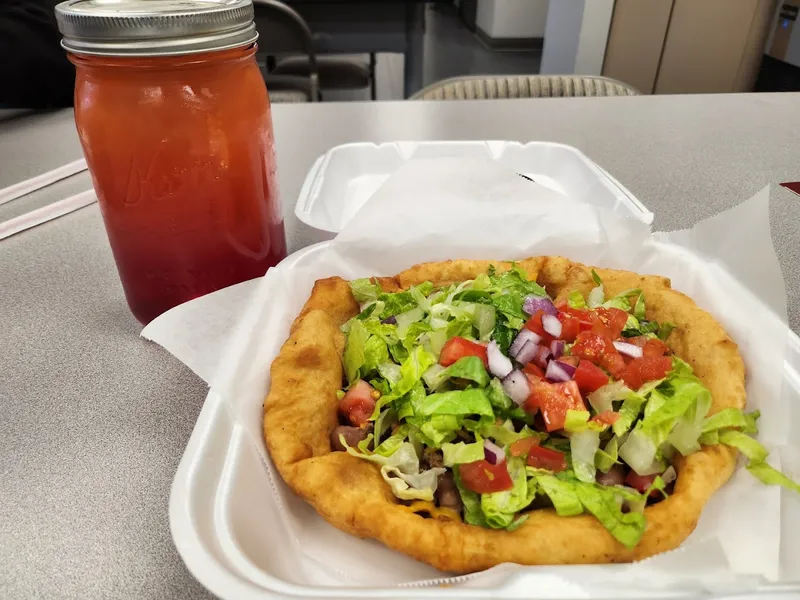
[(154, 27)]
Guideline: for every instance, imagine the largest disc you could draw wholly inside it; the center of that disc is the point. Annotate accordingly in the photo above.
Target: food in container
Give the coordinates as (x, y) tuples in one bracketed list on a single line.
[(470, 413)]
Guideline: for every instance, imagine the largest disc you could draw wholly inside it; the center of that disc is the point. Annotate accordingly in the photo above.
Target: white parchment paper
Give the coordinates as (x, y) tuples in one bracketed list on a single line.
[(447, 208)]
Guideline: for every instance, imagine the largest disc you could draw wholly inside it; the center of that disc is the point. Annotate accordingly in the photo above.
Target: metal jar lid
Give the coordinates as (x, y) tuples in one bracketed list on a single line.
[(154, 27)]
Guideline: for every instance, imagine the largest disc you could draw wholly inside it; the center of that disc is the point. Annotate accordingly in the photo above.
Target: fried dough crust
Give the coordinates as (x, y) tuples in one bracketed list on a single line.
[(300, 413)]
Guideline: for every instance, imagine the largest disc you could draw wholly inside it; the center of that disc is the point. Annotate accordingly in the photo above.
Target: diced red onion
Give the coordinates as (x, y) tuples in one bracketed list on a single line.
[(517, 386), (551, 325), (542, 356), (524, 336), (527, 353), (499, 363), (534, 303), (615, 476), (669, 475), (493, 453), (628, 349), (559, 371), (557, 348), (389, 320)]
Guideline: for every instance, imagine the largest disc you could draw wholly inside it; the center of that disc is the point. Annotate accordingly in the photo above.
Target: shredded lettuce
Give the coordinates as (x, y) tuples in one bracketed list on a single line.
[(375, 353), (393, 442), (469, 368), (627, 528), (505, 434), (628, 413), (408, 318), (622, 301), (385, 420), (405, 404), (484, 320), (473, 514), (400, 470), (578, 420), (412, 369), (602, 399), (607, 457), (771, 476), (499, 508), (561, 493), (513, 281), (498, 397), (731, 427), (434, 341), (434, 376), (506, 293), (354, 350), (364, 290), (390, 372), (456, 402), (437, 429), (639, 451), (401, 302), (461, 452), (517, 523), (639, 308), (583, 446), (664, 329), (595, 297), (749, 447), (685, 436), (732, 418), (576, 300)]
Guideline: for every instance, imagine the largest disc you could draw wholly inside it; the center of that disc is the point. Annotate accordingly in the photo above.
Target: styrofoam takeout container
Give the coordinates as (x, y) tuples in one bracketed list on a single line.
[(343, 179), (223, 507), (222, 504)]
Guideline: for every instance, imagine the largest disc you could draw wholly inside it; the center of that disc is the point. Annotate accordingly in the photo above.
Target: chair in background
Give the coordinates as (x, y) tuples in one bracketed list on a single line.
[(482, 87), (284, 34), (281, 32)]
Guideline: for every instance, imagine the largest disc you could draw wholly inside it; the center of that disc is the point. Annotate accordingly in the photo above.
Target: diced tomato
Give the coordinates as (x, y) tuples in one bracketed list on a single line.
[(614, 364), (561, 305), (535, 325), (570, 360), (570, 327), (523, 446), (609, 321), (607, 417), (358, 403), (546, 458), (554, 400), (651, 347), (640, 482), (458, 347), (655, 368), (532, 369), (584, 317), (484, 478), (600, 350), (589, 377), (642, 370)]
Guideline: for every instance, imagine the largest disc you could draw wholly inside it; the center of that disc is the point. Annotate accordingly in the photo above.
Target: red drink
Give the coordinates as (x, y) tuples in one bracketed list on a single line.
[(181, 154)]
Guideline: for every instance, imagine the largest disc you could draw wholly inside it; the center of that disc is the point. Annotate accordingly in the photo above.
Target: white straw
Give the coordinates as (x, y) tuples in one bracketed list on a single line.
[(36, 183), (46, 213)]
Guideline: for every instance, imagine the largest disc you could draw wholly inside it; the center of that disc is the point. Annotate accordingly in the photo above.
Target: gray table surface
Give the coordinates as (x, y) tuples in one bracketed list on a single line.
[(93, 419)]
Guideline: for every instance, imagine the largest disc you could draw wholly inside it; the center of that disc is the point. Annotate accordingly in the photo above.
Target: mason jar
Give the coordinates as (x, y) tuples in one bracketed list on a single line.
[(174, 119)]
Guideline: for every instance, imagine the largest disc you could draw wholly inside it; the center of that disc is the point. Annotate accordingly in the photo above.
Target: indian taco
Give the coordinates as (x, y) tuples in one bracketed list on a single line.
[(470, 413)]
